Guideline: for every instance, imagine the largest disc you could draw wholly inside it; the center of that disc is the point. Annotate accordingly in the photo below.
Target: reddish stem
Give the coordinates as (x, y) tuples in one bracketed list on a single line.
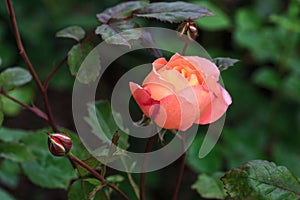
[(54, 70), (143, 175), (36, 111), (98, 176), (20, 44), (90, 38), (180, 176), (181, 169), (29, 65)]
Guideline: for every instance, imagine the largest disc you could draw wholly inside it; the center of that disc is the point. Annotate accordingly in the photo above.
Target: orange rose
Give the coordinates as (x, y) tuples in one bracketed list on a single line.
[(181, 92)]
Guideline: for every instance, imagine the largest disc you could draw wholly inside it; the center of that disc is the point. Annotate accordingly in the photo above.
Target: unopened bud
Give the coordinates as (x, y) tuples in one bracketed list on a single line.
[(193, 31), (188, 28), (59, 144)]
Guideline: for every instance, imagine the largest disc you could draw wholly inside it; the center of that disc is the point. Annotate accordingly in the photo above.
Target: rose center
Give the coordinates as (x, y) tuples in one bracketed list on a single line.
[(189, 75)]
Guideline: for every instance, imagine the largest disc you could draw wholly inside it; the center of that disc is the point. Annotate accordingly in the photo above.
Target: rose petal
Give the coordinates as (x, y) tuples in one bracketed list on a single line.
[(204, 66), (158, 91), (173, 112), (216, 108), (175, 78), (198, 96), (175, 56), (159, 63), (142, 97), (181, 61)]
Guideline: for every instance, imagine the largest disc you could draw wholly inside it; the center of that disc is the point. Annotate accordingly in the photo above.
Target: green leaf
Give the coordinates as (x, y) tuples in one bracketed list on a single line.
[(104, 125), (119, 33), (90, 68), (93, 181), (9, 173), (1, 112), (218, 22), (293, 160), (50, 172), (0, 61), (247, 19), (267, 78), (76, 56), (173, 12), (5, 196), (209, 164), (120, 11), (115, 178), (102, 154), (210, 186), (238, 148), (14, 77), (292, 86), (9, 135), (15, 152), (260, 179), (224, 63), (81, 189), (289, 24), (74, 32)]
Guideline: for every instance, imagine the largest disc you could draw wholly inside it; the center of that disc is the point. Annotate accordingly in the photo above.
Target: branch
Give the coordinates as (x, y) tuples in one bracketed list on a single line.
[(61, 63), (20, 44), (35, 110), (179, 179), (98, 176), (181, 169), (54, 70), (29, 65), (143, 175)]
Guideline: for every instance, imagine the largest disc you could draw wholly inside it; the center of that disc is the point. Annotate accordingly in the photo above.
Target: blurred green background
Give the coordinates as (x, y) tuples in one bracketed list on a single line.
[(262, 123)]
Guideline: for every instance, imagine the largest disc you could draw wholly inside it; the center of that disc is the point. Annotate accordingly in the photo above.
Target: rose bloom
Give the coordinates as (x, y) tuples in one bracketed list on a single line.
[(182, 91)]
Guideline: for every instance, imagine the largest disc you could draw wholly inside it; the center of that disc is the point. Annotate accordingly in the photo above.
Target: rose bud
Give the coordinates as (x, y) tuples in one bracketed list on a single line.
[(188, 28), (192, 31), (59, 144), (181, 92)]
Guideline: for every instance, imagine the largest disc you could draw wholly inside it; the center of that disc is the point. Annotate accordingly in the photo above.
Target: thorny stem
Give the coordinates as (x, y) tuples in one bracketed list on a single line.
[(43, 89), (20, 44), (32, 109), (29, 65), (143, 175), (98, 176)]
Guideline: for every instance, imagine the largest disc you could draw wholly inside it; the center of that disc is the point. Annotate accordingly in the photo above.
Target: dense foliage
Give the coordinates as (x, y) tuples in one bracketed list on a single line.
[(262, 129)]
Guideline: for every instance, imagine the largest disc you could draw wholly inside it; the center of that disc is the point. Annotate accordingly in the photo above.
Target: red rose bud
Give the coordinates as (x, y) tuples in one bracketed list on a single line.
[(59, 144)]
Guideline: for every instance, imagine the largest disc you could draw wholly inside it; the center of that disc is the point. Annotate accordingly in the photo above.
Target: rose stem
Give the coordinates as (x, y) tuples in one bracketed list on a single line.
[(143, 175), (53, 71), (184, 48), (181, 169), (35, 111), (98, 176), (29, 65)]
